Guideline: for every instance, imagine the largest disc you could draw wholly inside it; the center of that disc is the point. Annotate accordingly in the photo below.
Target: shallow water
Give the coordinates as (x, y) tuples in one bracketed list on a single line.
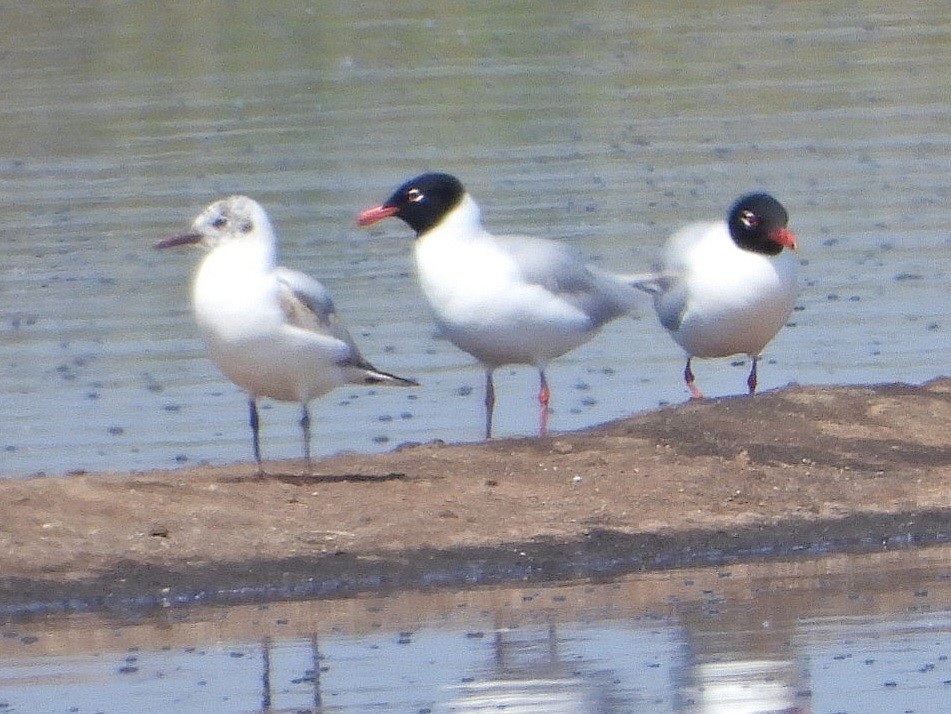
[(868, 635), (607, 126)]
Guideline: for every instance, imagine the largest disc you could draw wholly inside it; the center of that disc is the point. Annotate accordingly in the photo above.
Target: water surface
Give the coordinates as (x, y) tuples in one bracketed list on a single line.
[(863, 635), (605, 125)]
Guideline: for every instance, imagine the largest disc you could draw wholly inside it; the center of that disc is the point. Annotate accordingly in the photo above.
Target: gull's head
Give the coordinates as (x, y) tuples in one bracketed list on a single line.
[(758, 223), (237, 218), (421, 202)]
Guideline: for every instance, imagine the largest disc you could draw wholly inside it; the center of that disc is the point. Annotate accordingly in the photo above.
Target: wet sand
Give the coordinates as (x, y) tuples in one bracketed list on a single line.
[(793, 472)]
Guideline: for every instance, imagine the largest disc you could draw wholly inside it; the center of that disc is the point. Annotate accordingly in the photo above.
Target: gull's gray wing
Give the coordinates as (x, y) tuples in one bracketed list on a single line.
[(670, 296), (307, 304), (670, 300), (561, 270)]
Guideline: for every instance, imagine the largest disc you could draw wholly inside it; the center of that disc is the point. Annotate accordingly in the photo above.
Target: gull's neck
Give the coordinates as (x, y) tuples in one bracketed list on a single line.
[(463, 220), (252, 254)]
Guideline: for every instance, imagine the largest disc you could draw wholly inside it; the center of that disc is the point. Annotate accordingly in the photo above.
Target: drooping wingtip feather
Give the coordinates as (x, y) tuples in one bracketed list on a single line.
[(398, 381), (375, 376), (648, 282)]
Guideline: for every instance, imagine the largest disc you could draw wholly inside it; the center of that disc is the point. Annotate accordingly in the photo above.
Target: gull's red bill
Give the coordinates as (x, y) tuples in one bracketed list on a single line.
[(784, 237), (374, 214)]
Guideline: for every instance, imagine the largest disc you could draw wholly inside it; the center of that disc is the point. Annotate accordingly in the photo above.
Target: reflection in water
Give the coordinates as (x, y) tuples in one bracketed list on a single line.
[(743, 687), (799, 637), (266, 674), (529, 674), (310, 676), (741, 662)]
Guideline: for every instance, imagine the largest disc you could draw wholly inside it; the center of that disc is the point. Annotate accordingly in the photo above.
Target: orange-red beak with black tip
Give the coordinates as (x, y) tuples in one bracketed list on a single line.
[(784, 237), (377, 213), (184, 239)]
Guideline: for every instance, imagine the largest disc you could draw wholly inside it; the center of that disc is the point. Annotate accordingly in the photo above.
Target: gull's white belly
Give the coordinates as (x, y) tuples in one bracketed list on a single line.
[(737, 311), (243, 326)]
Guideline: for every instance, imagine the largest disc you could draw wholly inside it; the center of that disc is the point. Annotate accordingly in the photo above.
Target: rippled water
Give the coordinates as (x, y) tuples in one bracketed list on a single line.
[(606, 125), (859, 635)]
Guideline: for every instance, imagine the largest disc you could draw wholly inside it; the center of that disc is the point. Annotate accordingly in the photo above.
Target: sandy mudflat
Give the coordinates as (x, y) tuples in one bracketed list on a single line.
[(794, 471)]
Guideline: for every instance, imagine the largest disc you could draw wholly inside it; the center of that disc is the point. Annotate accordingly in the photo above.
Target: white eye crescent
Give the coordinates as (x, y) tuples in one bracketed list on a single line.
[(414, 195), (749, 219)]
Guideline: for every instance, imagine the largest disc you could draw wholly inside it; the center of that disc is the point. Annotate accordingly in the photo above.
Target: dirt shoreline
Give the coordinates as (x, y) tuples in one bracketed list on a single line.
[(793, 472)]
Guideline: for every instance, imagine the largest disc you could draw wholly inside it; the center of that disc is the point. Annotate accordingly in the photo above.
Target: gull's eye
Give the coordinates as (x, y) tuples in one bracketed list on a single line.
[(749, 219), (220, 222), (414, 195)]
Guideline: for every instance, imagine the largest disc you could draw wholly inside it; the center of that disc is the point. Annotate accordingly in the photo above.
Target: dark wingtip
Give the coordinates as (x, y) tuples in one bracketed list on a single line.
[(396, 381)]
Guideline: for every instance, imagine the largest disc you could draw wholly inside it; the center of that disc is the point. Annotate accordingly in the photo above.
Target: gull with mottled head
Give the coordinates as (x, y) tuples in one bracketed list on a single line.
[(273, 331)]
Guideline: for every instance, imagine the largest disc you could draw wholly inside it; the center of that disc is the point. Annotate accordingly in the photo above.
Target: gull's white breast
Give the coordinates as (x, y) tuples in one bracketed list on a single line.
[(731, 300), (237, 307)]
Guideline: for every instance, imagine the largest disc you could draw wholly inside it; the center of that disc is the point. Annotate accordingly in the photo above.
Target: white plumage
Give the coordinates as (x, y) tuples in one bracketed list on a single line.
[(728, 287), (273, 331), (503, 299)]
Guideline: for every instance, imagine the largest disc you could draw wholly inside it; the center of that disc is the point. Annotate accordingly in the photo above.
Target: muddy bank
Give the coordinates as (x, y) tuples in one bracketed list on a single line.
[(802, 470)]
